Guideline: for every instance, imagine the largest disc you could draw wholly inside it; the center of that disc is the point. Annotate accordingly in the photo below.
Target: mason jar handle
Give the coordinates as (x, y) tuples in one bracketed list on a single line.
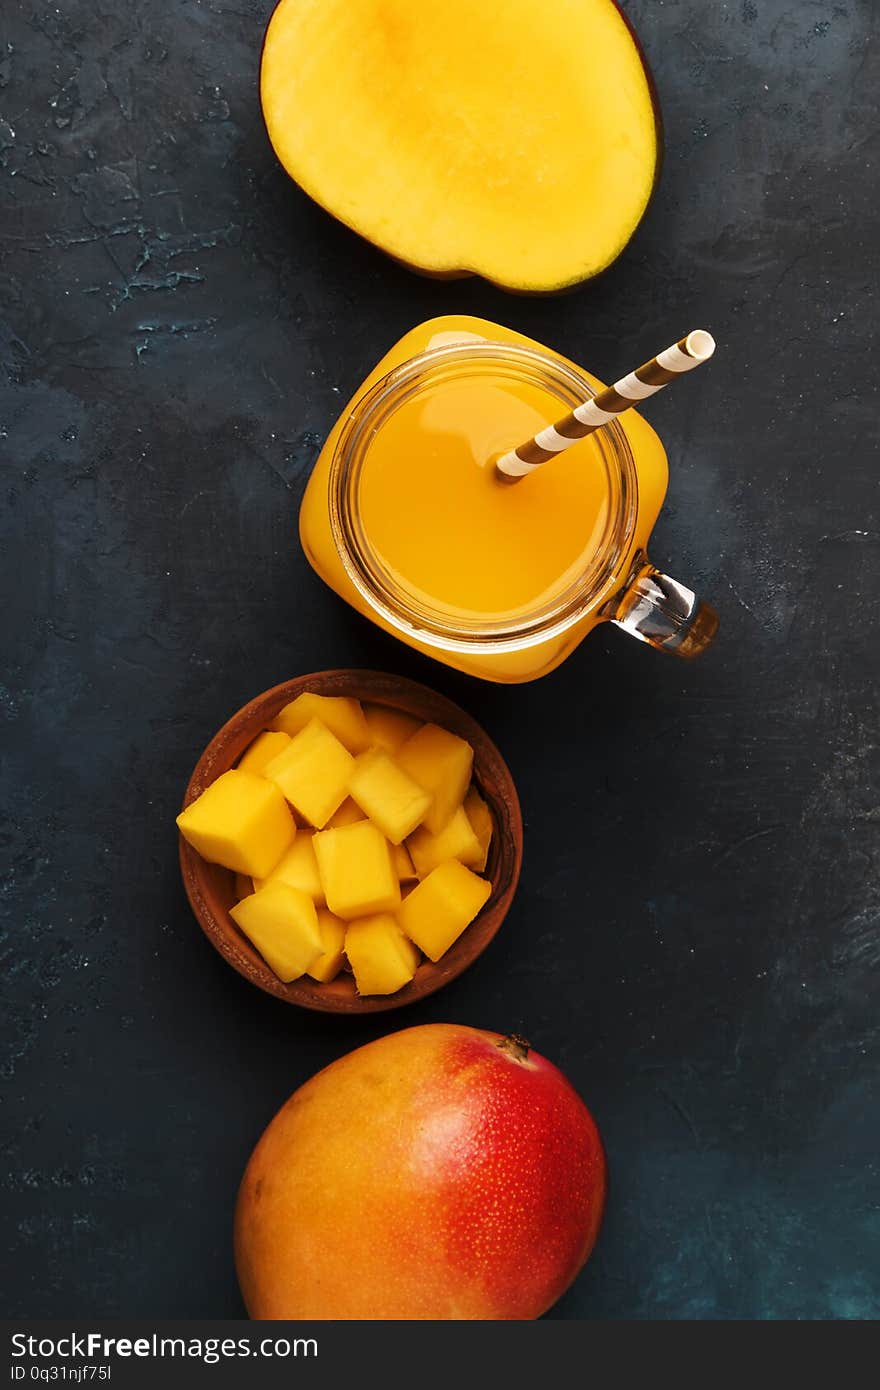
[(662, 612)]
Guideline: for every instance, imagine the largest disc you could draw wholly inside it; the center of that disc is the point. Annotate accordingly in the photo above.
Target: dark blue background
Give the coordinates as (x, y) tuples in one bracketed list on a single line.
[(695, 940)]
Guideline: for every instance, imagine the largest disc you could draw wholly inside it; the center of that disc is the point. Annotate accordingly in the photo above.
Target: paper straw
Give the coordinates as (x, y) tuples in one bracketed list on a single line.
[(645, 381)]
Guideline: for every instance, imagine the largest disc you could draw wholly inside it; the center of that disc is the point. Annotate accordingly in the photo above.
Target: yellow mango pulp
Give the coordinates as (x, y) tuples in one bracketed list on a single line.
[(240, 821), (389, 728), (298, 868), (332, 930), (439, 908), (388, 795), (382, 958), (341, 714), (313, 772), (480, 817), (457, 840), (441, 763), (349, 813), (403, 865), (518, 141), (260, 753), (354, 862), (283, 925)]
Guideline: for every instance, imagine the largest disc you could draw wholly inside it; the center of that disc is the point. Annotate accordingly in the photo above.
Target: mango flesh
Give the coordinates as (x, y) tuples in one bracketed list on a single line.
[(480, 817), (436, 912), (388, 795), (298, 867), (402, 864), (354, 862), (389, 728), (440, 762), (312, 772), (440, 1172), (341, 714), (240, 821), (382, 957), (365, 868), (457, 840), (332, 932), (260, 753), (283, 925), (519, 142), (349, 813)]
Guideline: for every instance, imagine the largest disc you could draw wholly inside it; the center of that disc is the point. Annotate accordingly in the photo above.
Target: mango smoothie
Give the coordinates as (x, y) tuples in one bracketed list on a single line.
[(404, 515)]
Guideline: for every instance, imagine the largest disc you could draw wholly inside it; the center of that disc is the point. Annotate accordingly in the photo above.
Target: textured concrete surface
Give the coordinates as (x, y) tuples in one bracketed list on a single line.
[(696, 937)]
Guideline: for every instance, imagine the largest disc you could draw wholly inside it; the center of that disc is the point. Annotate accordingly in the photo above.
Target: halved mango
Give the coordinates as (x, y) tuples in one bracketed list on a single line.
[(519, 142)]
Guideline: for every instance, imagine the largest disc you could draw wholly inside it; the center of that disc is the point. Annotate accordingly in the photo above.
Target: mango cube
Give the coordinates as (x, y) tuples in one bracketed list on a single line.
[(354, 862), (480, 817), (389, 728), (457, 840), (403, 865), (283, 925), (441, 763), (240, 821), (436, 912), (349, 813), (382, 958), (338, 713), (298, 868), (264, 748), (313, 772), (332, 930), (388, 795)]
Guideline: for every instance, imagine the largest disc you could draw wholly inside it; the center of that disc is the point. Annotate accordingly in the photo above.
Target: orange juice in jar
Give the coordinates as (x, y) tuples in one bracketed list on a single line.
[(405, 516)]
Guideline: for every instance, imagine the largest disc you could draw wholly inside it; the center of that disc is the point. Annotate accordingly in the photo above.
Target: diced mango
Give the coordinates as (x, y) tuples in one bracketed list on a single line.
[(283, 925), (313, 772), (338, 713), (389, 728), (349, 813), (240, 821), (298, 868), (441, 763), (457, 840), (403, 865), (382, 958), (244, 886), (332, 930), (388, 795), (354, 862), (264, 748), (480, 817), (436, 912)]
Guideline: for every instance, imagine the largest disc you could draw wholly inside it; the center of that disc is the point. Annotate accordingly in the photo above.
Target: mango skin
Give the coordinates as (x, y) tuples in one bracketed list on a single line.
[(431, 1174)]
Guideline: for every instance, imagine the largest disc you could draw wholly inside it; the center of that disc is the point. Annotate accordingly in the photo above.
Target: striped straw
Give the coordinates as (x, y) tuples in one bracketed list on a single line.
[(645, 381)]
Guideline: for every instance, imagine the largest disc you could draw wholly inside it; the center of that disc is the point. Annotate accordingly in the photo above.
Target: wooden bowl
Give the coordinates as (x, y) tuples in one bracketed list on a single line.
[(210, 888)]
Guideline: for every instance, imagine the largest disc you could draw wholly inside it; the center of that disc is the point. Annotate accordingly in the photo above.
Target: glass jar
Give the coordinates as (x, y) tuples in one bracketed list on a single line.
[(611, 580)]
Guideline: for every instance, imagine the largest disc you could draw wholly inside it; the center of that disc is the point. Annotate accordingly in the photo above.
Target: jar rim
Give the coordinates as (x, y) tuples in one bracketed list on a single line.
[(431, 625)]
